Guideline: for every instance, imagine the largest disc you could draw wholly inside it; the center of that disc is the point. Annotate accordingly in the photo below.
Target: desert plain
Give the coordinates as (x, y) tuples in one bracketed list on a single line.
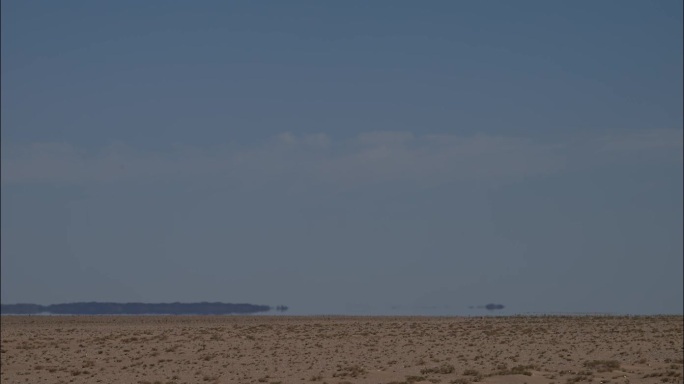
[(337, 350)]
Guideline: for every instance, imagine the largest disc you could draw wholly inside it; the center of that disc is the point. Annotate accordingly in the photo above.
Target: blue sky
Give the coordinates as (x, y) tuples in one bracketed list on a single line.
[(344, 157)]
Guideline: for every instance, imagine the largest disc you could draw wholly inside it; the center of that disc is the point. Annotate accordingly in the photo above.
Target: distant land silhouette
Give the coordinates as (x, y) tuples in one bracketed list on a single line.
[(489, 307), (95, 308)]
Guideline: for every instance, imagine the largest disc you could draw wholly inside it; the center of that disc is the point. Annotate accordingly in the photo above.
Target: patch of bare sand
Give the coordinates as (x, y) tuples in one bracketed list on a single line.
[(334, 350)]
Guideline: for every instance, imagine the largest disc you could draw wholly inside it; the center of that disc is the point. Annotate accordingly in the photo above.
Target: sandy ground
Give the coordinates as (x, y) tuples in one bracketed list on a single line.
[(261, 349)]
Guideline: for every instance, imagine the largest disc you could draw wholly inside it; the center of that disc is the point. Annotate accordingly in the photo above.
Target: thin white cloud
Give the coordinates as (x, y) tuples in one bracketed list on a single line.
[(655, 139), (371, 157), (384, 138)]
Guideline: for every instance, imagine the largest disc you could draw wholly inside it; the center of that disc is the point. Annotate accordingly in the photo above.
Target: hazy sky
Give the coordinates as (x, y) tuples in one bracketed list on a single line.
[(344, 157)]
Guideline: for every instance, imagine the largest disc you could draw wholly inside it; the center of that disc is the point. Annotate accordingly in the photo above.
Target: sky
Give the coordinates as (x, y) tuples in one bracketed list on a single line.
[(350, 157)]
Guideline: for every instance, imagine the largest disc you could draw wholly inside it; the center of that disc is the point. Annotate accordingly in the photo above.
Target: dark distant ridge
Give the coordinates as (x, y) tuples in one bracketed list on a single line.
[(95, 308), (489, 307)]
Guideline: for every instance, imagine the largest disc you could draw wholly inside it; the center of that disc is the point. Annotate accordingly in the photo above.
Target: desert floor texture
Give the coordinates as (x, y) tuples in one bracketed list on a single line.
[(335, 350)]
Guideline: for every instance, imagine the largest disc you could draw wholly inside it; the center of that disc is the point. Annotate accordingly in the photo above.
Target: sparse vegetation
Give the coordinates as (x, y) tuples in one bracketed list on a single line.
[(460, 381), (517, 370), (413, 379), (163, 350), (442, 369), (603, 365)]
